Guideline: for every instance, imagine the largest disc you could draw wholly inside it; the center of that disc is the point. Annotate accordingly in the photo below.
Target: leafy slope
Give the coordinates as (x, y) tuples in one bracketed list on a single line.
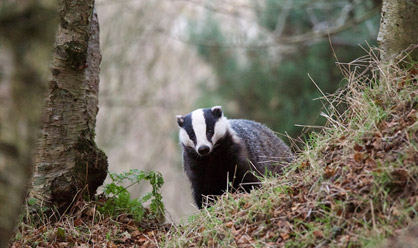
[(355, 184)]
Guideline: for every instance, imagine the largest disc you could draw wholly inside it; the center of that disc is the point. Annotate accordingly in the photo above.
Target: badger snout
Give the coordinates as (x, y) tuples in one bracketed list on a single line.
[(203, 150)]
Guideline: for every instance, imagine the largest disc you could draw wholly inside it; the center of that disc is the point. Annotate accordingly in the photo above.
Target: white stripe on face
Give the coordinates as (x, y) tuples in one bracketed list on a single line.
[(199, 127), (221, 126), (184, 138)]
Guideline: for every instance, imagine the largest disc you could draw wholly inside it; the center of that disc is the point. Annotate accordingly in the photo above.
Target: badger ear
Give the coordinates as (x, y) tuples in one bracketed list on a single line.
[(180, 120), (217, 111)]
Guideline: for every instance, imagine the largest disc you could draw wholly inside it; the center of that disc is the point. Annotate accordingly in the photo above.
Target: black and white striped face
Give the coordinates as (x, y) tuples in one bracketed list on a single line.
[(202, 128)]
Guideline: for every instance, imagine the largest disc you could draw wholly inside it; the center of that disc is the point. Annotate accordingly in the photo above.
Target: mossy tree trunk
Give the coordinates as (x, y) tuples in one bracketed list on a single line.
[(68, 162), (24, 45), (398, 28)]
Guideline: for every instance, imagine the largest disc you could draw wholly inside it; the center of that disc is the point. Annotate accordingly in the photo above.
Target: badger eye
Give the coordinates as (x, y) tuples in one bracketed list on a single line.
[(210, 131), (191, 135)]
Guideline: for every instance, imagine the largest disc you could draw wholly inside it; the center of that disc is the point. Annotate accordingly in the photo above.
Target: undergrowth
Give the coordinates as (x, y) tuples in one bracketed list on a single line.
[(354, 184), (118, 199), (111, 220)]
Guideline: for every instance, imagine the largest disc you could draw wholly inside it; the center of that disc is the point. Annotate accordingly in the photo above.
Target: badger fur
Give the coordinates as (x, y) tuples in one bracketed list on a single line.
[(218, 151)]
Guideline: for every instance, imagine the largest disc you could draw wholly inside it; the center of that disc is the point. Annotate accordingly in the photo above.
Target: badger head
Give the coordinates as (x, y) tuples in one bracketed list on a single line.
[(202, 128)]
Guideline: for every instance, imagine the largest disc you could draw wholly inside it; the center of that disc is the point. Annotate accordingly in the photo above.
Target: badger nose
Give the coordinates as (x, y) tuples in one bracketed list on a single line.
[(203, 150)]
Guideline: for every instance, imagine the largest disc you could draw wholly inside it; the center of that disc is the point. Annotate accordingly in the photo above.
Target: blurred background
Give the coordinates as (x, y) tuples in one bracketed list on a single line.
[(162, 58)]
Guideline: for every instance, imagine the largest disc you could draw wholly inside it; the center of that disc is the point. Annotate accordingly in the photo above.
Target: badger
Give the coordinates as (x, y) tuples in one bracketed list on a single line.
[(221, 154)]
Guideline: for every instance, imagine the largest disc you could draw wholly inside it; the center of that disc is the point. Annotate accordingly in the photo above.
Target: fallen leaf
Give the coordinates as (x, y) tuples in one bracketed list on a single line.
[(396, 211), (135, 233), (125, 236), (81, 246), (246, 205), (277, 212), (378, 143), (371, 162), (318, 234), (358, 156), (400, 175), (78, 222), (329, 172), (90, 212), (412, 116), (142, 239), (63, 244), (111, 245), (284, 236), (242, 240), (304, 164), (357, 148), (392, 123)]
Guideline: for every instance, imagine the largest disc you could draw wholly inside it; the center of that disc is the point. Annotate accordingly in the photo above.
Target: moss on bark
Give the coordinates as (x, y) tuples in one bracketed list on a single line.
[(88, 173), (90, 164), (74, 53)]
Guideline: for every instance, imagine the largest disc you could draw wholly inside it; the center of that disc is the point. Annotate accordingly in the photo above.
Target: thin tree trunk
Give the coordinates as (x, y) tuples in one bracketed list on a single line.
[(22, 88), (68, 161), (398, 28)]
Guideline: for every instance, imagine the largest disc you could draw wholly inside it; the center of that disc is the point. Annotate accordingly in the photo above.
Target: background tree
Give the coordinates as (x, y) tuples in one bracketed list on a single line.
[(262, 68), (25, 46), (398, 28), (68, 161)]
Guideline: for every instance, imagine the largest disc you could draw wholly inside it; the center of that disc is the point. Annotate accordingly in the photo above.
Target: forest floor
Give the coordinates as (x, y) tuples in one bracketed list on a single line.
[(355, 184)]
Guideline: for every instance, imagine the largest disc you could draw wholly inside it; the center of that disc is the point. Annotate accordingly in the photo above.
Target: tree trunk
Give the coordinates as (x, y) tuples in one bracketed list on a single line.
[(68, 160), (22, 86), (398, 28)]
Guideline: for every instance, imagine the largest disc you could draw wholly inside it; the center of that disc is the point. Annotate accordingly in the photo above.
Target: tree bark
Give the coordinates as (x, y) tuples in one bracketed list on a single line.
[(22, 87), (68, 160), (398, 28)]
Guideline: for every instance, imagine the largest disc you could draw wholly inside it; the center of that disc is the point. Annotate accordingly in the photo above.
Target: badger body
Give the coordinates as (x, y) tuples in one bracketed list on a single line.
[(221, 154)]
